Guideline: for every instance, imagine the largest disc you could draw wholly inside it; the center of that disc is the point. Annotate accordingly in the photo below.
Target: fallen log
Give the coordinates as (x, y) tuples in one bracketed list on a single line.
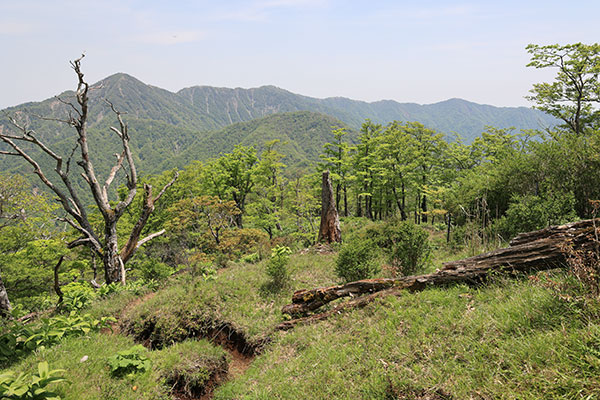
[(358, 302), (528, 252)]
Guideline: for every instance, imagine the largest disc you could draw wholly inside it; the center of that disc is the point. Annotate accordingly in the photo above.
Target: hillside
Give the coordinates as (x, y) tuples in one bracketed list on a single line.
[(171, 129), (204, 108), (302, 135)]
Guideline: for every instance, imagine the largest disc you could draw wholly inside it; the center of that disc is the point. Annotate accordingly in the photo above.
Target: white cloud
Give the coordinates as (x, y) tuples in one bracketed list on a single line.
[(171, 38)]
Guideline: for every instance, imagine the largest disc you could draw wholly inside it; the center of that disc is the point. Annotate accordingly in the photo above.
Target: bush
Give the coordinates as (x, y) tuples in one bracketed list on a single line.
[(529, 213), (405, 244), (252, 258), (277, 266), (357, 260), (77, 295), (149, 269)]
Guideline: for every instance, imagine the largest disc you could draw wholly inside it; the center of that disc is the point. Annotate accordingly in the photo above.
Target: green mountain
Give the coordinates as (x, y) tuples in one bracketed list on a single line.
[(302, 135), (227, 106), (170, 129)]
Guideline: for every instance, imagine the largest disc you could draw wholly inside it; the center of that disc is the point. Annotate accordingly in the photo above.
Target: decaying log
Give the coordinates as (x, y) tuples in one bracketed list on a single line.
[(528, 252), (329, 231), (358, 302)]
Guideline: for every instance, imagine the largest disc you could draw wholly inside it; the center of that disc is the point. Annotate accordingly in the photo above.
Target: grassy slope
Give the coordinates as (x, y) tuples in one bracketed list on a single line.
[(510, 339)]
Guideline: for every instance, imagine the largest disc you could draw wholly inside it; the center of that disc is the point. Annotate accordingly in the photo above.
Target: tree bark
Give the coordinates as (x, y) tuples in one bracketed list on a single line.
[(5, 306), (528, 252), (329, 230), (59, 292)]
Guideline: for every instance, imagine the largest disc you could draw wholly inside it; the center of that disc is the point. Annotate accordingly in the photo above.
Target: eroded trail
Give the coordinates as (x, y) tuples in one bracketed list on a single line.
[(240, 351)]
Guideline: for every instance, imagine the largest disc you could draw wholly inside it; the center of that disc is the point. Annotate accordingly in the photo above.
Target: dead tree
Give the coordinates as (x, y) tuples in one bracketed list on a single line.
[(329, 230), (104, 243)]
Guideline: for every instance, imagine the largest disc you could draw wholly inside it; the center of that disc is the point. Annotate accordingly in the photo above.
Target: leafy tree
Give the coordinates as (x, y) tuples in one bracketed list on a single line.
[(363, 161), (268, 204), (24, 214), (233, 175), (575, 90)]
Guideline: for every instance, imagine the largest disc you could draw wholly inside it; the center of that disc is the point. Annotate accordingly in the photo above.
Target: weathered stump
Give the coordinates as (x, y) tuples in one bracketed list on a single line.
[(329, 231)]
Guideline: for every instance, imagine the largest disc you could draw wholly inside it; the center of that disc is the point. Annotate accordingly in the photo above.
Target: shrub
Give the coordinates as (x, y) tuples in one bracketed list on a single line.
[(129, 362), (150, 269), (236, 242), (77, 295), (406, 245), (357, 260), (30, 387), (252, 258), (277, 266), (528, 213)]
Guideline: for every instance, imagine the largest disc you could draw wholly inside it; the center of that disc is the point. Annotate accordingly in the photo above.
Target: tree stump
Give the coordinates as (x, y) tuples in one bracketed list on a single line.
[(329, 231)]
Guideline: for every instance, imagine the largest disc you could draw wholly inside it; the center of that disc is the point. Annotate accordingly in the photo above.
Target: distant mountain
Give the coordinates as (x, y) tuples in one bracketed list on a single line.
[(170, 129), (454, 116)]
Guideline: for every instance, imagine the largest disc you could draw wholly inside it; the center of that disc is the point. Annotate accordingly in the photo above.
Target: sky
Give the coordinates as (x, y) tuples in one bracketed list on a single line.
[(409, 51)]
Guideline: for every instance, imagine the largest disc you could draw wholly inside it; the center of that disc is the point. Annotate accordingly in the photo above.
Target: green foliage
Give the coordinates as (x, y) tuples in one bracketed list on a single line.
[(129, 362), (277, 266), (529, 213), (28, 272), (149, 269), (106, 290), (405, 244), (357, 259), (77, 295), (571, 96), (30, 387), (20, 339), (251, 258)]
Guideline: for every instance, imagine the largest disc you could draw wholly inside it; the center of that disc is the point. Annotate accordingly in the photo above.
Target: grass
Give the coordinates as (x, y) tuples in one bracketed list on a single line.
[(190, 365), (91, 379), (237, 296), (186, 367), (508, 340)]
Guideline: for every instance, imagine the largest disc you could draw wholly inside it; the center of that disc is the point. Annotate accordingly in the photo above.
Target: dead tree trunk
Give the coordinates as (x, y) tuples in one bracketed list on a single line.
[(528, 252), (70, 199), (5, 307), (330, 222)]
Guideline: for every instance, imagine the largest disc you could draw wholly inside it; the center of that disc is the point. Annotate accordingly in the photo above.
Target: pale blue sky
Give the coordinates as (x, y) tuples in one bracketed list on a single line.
[(409, 51)]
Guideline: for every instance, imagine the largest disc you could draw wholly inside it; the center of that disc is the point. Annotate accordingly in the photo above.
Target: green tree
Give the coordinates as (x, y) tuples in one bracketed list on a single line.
[(270, 193), (575, 90), (24, 216), (364, 167), (233, 176)]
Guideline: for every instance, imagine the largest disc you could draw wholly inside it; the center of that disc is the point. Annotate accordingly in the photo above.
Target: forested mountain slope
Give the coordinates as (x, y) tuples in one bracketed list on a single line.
[(170, 129)]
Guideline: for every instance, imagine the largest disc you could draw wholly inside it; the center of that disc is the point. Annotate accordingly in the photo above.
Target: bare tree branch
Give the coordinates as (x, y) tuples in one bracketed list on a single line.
[(148, 207), (149, 238), (68, 103)]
